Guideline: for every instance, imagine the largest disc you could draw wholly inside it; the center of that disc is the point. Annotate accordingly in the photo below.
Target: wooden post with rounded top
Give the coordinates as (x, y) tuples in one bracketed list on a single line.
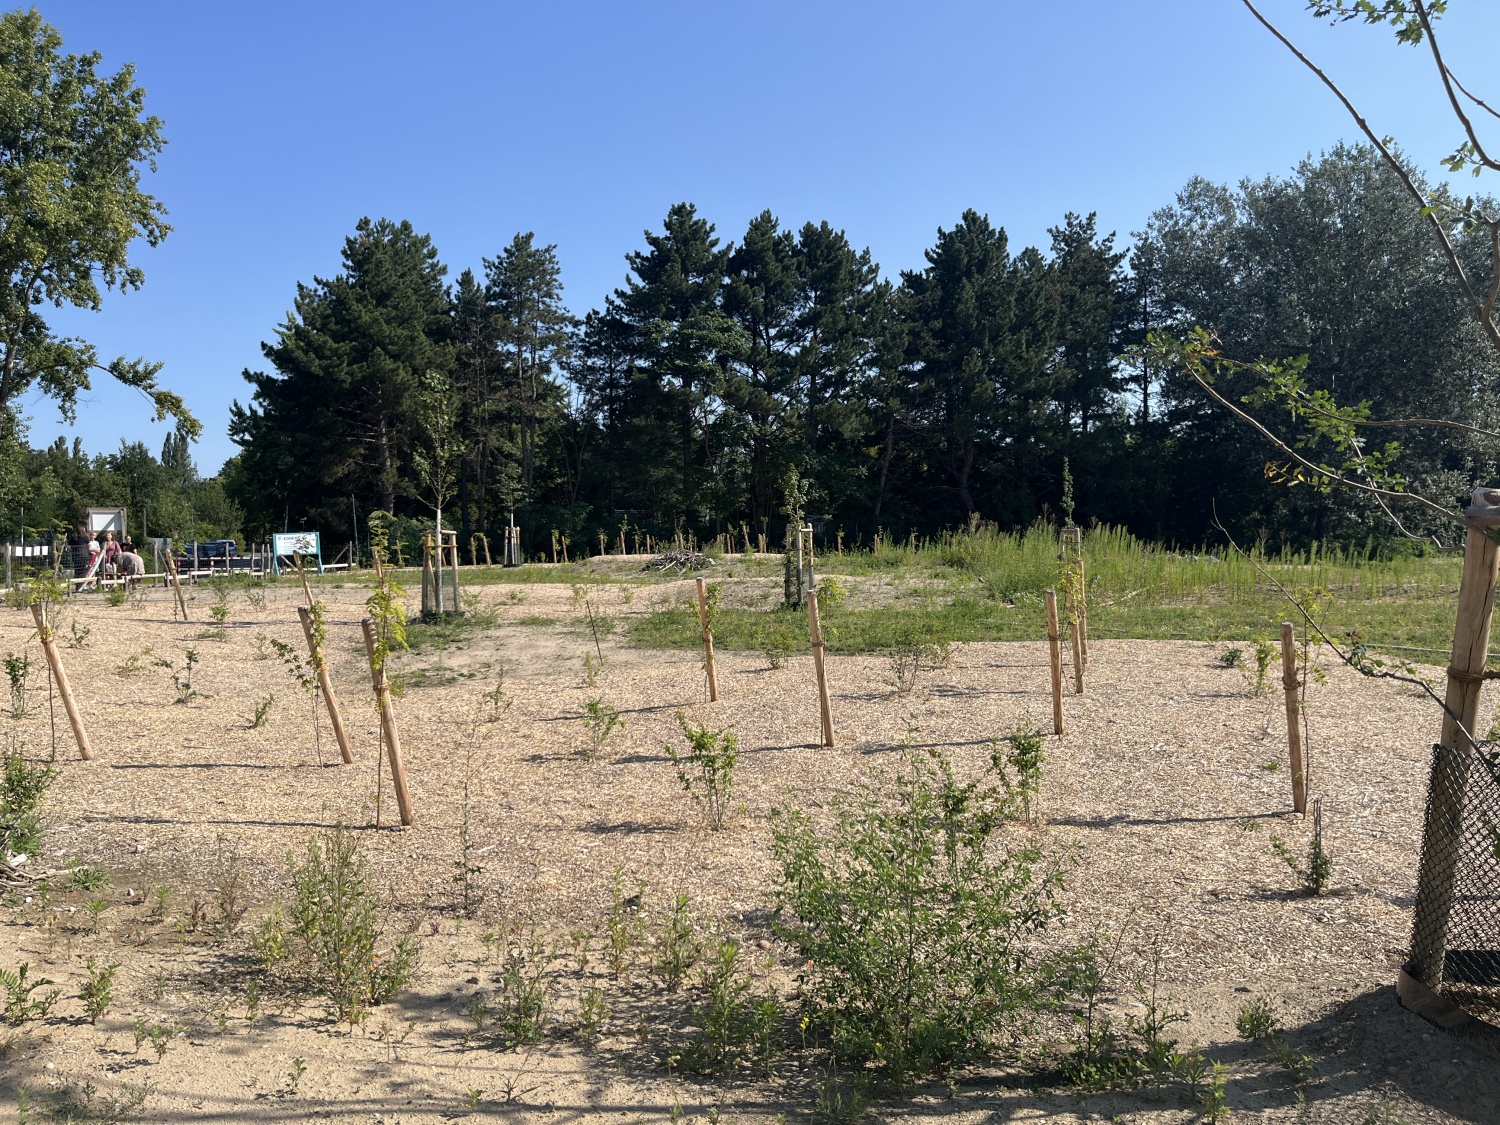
[(70, 705), (320, 666), (817, 647), (708, 642), (1083, 601), (1442, 836), (1054, 649), (1077, 657), (388, 723), (1293, 691)]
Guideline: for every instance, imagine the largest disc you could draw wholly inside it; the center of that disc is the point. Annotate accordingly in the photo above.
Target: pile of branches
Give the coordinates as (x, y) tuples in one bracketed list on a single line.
[(680, 561)]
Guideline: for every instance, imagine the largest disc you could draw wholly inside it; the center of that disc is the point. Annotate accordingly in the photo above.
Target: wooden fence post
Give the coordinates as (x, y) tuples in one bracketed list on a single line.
[(1293, 717), (1054, 648), (70, 705), (1083, 601), (708, 641), (388, 724), (1442, 836), (817, 647), (320, 666)]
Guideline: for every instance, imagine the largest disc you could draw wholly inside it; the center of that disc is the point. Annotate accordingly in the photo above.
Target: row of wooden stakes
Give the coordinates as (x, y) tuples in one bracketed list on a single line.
[(381, 685)]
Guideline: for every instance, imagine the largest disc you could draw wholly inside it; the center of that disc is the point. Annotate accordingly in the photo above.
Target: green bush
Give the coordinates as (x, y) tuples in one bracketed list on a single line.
[(335, 913), (706, 771), (917, 921), (22, 788)]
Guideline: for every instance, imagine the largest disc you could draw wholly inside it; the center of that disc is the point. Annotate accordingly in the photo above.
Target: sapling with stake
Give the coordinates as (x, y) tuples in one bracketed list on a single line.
[(1315, 873)]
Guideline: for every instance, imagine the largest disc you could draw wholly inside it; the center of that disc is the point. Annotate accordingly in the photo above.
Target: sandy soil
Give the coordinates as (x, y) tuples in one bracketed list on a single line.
[(1160, 797)]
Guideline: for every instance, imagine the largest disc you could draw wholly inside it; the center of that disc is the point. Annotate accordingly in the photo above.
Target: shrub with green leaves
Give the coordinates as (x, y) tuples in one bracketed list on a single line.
[(706, 770), (22, 787), (918, 920), (335, 912), (602, 721)]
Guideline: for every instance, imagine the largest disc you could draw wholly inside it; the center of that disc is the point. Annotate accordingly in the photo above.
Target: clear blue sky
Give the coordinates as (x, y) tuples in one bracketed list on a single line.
[(585, 121)]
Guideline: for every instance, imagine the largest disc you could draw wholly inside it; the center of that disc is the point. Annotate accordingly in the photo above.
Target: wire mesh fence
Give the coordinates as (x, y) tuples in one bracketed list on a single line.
[(1456, 921)]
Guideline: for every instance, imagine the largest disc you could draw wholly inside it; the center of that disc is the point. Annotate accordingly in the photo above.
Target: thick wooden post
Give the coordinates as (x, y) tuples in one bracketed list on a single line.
[(320, 666), (817, 647), (1293, 691), (1083, 601), (1054, 649), (708, 642), (1442, 836), (388, 724), (70, 705), (176, 582)]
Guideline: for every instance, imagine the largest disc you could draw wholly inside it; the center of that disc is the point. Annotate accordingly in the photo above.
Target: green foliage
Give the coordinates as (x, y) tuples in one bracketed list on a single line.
[(182, 676), (917, 917), (523, 999), (97, 993), (261, 713), (22, 787), (79, 141), (735, 1027), (706, 770), (18, 672), (1315, 872), (335, 914), (85, 877), (602, 720), (1255, 1019), (20, 1002), (679, 943)]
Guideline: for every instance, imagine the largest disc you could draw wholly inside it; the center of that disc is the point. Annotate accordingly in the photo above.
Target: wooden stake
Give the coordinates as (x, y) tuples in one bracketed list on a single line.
[(1442, 837), (554, 546), (1292, 687), (176, 582), (320, 666), (1077, 659), (817, 647), (54, 662), (1054, 648), (388, 724), (302, 574), (708, 641), (1083, 603)]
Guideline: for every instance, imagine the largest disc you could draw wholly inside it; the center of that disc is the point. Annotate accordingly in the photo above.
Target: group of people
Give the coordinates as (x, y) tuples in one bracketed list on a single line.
[(119, 558)]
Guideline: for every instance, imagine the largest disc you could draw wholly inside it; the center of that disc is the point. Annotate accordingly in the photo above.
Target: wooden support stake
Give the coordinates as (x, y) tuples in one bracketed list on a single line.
[(1443, 831), (708, 641), (1083, 603), (54, 662), (176, 582), (388, 724), (1077, 659), (817, 647), (302, 574), (1054, 648), (1292, 687), (320, 666)]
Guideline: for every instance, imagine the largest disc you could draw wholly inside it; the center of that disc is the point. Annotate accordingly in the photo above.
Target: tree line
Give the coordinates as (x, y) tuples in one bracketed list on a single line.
[(994, 383)]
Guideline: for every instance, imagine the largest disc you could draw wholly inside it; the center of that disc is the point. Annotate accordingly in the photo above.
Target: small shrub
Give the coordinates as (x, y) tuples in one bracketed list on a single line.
[(780, 640), (524, 996), (1233, 656), (1027, 752), (1265, 654), (18, 672), (593, 1011), (22, 787), (623, 925), (229, 886), (679, 945), (733, 1025), (706, 771), (602, 721), (832, 593), (1314, 875), (269, 944), (182, 678), (261, 714), (335, 914), (912, 884), (1298, 1068), (20, 1005), (1255, 1019), (907, 660), (116, 596), (499, 701), (78, 635), (97, 992), (842, 1101), (84, 877)]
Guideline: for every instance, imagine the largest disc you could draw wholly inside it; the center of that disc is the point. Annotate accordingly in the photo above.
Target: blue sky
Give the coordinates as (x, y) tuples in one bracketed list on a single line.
[(585, 121)]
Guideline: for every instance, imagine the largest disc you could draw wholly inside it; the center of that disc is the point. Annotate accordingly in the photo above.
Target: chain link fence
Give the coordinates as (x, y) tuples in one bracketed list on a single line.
[(1456, 921)]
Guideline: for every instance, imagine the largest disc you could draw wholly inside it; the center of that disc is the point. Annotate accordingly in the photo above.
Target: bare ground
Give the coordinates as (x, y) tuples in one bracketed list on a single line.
[(1160, 797)]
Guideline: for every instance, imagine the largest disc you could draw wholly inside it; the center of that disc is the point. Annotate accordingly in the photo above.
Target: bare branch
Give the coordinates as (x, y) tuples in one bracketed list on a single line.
[(1458, 109), (1412, 189), (1480, 102)]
